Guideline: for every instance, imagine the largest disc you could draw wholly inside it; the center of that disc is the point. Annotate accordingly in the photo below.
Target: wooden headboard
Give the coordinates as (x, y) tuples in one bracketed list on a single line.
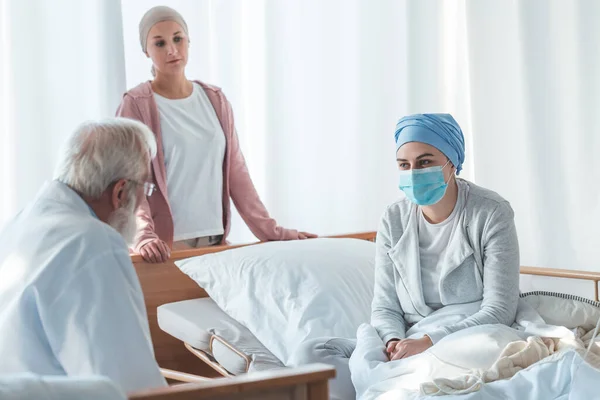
[(165, 283)]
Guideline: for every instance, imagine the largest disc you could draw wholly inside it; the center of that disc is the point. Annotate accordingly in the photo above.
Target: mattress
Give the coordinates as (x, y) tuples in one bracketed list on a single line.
[(204, 326)]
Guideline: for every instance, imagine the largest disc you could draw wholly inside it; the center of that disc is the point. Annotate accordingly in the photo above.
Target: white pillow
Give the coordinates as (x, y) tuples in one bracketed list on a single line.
[(564, 309), (289, 292)]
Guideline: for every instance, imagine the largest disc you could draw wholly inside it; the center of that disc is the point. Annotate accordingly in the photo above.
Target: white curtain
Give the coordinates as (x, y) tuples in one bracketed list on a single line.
[(317, 86), (61, 62), (523, 78)]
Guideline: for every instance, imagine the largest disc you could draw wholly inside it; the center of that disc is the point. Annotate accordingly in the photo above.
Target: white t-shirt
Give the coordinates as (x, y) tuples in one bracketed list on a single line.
[(433, 241), (194, 149)]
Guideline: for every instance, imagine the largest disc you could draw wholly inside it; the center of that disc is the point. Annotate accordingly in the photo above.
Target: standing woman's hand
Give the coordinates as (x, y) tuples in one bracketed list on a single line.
[(155, 251)]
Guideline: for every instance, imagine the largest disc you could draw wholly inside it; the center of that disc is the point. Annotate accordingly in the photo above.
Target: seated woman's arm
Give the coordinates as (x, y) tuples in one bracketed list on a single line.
[(500, 274), (387, 316)]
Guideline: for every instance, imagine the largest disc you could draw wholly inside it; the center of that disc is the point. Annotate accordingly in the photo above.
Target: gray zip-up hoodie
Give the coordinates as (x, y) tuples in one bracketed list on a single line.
[(482, 264)]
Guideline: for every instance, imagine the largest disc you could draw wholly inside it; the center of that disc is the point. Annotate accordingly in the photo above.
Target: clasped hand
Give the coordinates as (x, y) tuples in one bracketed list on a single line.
[(398, 349)]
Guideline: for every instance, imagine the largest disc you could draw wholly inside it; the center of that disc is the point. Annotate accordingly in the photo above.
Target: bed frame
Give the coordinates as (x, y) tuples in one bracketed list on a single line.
[(309, 382), (165, 283)]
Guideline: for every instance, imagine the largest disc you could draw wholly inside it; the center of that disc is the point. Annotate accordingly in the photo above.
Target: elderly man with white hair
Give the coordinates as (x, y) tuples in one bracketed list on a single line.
[(71, 302)]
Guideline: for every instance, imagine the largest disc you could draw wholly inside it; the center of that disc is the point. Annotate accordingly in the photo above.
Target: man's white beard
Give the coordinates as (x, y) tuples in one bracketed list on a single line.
[(123, 220)]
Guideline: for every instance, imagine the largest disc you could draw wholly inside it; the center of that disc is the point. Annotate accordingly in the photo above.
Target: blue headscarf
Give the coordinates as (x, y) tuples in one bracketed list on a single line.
[(438, 130)]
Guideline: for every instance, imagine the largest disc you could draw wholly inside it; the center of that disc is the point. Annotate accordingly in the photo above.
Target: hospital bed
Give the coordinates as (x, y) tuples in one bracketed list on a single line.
[(189, 354), (164, 283)]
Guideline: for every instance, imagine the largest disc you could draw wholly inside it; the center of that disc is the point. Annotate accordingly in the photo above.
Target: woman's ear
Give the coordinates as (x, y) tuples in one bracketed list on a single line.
[(118, 194), (451, 172)]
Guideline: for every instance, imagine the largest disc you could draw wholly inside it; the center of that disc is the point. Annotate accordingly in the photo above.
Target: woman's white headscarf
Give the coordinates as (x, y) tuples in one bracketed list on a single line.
[(154, 16)]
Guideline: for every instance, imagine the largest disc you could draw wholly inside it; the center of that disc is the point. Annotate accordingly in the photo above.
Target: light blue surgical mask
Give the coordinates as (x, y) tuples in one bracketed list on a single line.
[(424, 186)]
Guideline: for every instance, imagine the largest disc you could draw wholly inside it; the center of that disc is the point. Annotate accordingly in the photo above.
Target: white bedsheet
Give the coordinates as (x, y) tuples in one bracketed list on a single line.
[(469, 351), (196, 321)]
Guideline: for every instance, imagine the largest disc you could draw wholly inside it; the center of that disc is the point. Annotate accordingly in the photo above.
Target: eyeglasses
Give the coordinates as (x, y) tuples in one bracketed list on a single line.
[(149, 187)]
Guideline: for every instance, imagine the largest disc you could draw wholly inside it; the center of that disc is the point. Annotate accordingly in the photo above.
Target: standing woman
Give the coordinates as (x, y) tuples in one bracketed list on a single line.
[(199, 164)]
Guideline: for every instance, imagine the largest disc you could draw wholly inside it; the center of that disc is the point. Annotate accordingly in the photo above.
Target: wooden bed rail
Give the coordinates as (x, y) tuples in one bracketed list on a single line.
[(182, 254), (307, 382), (565, 273), (183, 376)]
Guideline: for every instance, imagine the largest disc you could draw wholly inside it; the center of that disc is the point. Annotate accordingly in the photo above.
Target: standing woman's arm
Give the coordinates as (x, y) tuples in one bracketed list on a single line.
[(145, 234), (246, 199)]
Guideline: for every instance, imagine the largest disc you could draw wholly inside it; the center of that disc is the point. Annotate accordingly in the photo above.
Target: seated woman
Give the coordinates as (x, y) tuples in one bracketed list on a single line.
[(448, 242), (199, 165)]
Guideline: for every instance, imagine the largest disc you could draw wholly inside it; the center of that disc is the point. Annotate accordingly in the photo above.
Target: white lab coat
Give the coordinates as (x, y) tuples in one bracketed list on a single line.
[(70, 300)]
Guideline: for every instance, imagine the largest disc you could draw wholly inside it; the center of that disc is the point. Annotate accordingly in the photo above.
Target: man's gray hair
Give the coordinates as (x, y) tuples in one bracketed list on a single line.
[(101, 152)]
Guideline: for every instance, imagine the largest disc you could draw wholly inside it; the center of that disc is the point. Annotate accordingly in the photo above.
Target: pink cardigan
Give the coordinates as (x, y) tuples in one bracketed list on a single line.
[(154, 215)]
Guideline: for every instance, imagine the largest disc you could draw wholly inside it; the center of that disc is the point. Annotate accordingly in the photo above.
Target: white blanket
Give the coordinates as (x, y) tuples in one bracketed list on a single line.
[(561, 376), (474, 348), (459, 363), (31, 386)]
